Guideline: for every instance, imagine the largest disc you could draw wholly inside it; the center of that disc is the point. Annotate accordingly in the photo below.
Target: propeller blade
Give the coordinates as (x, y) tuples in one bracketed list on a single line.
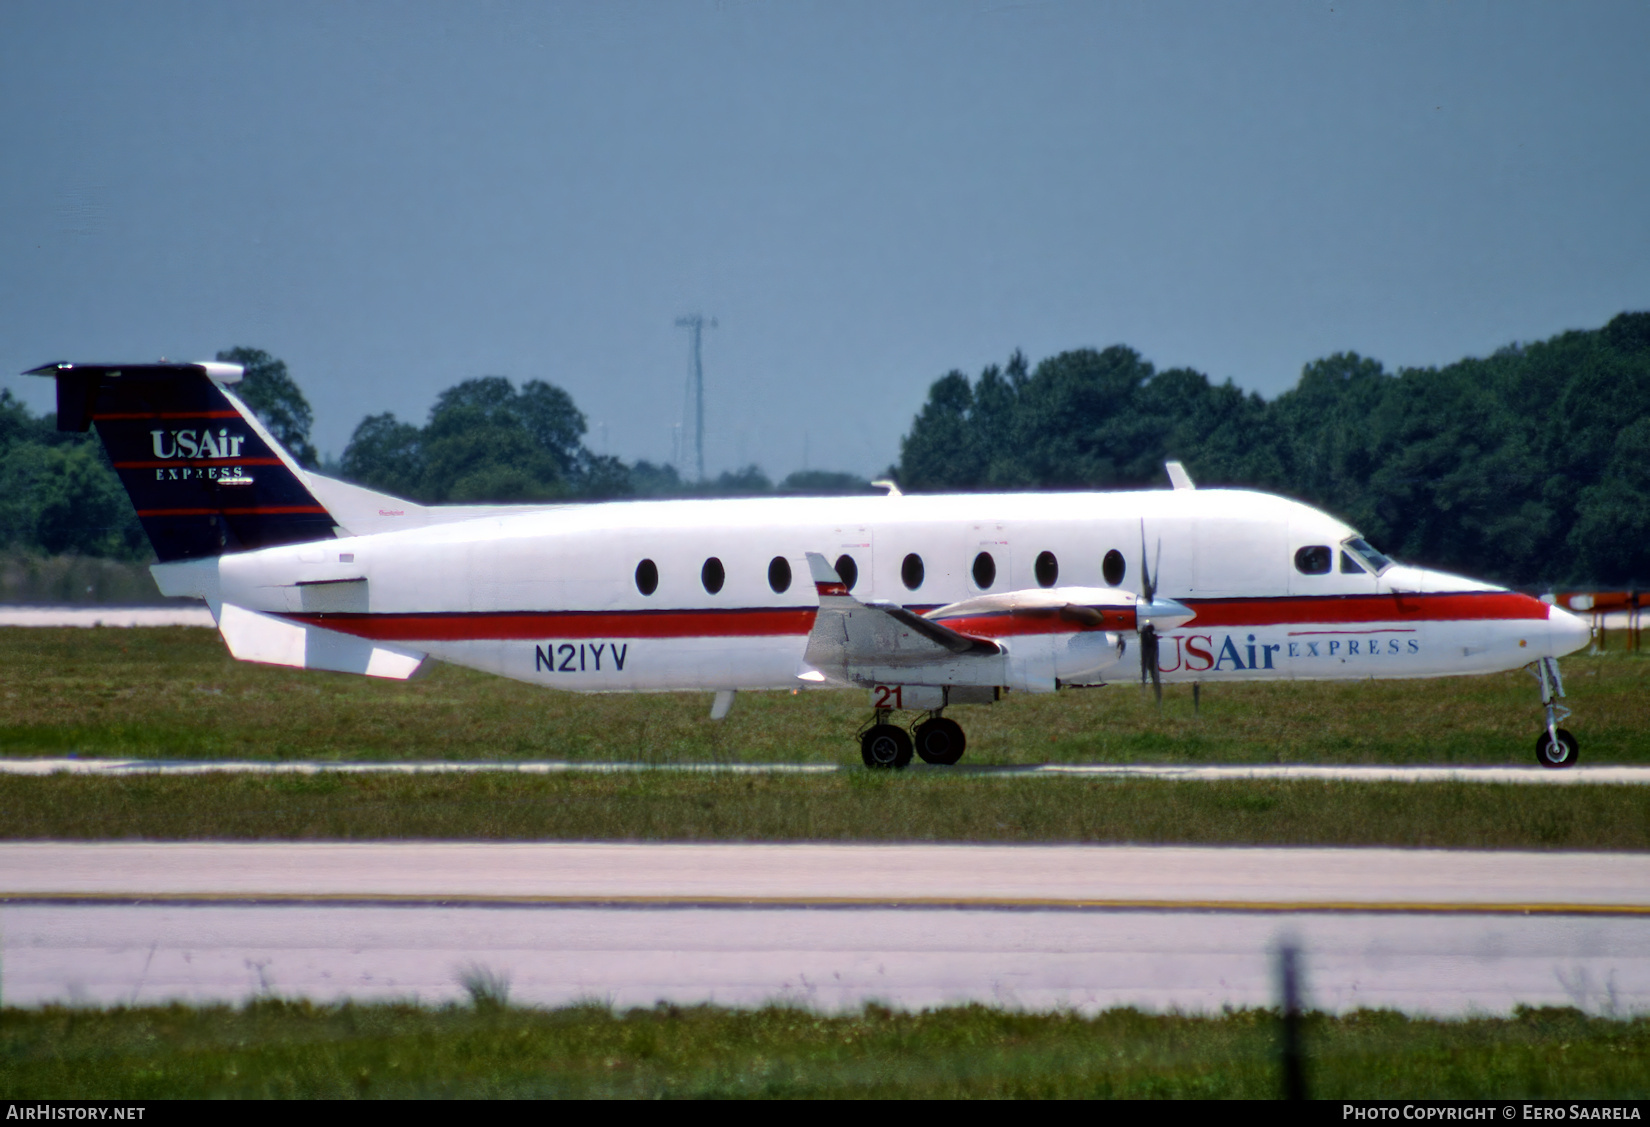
[(1148, 583), (1148, 631)]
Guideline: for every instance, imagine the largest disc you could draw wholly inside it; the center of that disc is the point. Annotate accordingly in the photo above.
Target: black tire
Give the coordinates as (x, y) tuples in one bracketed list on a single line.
[(883, 746), (940, 741), (1563, 755)]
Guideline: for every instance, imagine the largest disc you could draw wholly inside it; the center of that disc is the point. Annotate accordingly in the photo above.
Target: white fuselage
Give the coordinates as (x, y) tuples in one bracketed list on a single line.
[(551, 596)]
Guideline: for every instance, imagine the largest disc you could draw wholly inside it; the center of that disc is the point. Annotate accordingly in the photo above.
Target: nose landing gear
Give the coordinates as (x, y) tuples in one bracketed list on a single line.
[(1555, 747)]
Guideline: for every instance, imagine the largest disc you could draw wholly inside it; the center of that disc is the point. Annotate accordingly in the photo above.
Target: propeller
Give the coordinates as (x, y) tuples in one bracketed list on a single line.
[(1148, 630)]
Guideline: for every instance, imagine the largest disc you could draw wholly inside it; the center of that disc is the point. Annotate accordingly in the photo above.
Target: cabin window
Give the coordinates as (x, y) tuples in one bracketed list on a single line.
[(647, 577), (847, 570), (985, 570), (1113, 568), (712, 575), (1046, 569), (779, 574), (910, 572), (1314, 559)]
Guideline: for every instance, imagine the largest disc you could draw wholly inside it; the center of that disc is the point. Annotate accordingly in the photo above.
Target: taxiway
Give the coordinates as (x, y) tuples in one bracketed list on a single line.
[(1581, 775), (1087, 927)]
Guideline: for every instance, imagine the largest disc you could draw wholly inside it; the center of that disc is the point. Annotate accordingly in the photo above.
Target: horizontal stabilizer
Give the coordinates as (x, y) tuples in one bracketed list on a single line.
[(252, 636), (361, 511)]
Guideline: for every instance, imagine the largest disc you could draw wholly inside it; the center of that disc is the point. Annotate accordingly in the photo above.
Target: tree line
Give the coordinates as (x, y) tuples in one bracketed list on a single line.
[(484, 440), (1530, 466), (487, 440)]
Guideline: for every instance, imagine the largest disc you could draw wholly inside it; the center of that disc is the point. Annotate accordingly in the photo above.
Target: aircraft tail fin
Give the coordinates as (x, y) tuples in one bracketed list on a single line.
[(204, 474)]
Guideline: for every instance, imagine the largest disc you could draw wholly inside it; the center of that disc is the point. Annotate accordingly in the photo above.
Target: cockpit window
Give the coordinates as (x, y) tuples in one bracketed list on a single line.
[(1314, 559), (1360, 548)]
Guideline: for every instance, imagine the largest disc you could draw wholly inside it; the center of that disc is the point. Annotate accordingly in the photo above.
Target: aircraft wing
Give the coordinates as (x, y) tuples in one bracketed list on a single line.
[(871, 643)]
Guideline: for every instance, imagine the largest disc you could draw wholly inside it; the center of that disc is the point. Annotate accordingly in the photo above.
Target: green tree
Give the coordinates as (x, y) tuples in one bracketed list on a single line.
[(748, 481), (485, 441), (479, 445), (1520, 466), (17, 423), (557, 426), (1078, 423), (1610, 539), (996, 402), (385, 454), (825, 483), (602, 477), (941, 451), (269, 390), (65, 498), (649, 480)]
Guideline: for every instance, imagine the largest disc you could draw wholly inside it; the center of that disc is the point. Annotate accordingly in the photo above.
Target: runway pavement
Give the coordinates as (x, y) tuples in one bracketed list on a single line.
[(825, 925), (1532, 775), (177, 615)]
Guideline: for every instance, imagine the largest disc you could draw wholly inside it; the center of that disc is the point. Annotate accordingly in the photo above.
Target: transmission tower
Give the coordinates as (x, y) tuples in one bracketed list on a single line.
[(696, 391)]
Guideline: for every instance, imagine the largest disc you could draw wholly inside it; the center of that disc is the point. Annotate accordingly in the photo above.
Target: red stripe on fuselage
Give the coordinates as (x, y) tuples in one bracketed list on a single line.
[(1467, 606), (537, 626), (760, 622)]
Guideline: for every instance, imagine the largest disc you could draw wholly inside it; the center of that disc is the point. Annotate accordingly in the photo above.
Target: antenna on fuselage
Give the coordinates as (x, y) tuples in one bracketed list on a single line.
[(696, 386)]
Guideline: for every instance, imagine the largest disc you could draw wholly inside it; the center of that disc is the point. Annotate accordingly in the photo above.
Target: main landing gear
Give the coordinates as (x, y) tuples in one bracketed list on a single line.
[(1555, 747), (938, 740)]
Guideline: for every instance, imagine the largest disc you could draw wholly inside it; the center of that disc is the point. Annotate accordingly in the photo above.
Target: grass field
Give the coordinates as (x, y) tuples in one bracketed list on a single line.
[(176, 693), (853, 806), (280, 1049)]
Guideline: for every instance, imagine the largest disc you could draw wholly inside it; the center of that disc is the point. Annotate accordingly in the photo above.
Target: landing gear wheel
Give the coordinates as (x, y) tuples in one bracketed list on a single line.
[(1562, 754), (940, 741), (1556, 747), (884, 746)]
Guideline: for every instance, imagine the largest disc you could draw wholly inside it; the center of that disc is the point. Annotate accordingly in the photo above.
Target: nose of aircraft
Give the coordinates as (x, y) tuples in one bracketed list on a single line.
[(1566, 632)]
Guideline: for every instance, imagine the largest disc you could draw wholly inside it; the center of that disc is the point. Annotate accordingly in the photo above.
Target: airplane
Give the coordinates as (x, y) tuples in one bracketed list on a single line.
[(926, 601)]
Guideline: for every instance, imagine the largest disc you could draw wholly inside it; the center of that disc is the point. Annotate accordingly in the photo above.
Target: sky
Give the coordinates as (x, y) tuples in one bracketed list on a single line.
[(393, 197)]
